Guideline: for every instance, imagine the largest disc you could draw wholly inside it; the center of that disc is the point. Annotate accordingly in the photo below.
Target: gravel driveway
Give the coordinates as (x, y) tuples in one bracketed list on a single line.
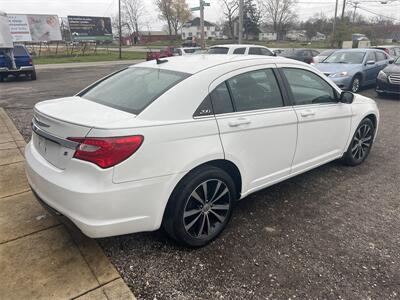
[(331, 233)]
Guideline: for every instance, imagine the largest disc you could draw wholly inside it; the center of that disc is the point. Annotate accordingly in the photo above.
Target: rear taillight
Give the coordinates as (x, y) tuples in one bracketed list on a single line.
[(30, 61), (106, 152)]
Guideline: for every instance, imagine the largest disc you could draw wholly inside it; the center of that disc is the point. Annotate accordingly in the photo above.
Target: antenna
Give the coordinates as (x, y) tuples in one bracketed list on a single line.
[(161, 61)]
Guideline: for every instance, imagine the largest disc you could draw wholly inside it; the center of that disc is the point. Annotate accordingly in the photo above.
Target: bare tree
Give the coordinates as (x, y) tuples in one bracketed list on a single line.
[(280, 13), (230, 10), (165, 12), (180, 14), (133, 12)]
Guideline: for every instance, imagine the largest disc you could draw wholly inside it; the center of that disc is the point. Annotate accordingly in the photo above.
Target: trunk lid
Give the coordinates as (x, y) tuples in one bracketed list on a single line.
[(56, 120)]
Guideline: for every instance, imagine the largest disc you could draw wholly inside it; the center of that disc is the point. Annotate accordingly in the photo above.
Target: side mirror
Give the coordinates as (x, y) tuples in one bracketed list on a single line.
[(346, 97), (391, 61), (370, 62)]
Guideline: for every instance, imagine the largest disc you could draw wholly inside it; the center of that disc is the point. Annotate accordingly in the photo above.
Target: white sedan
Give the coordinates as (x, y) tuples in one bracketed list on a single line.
[(175, 143), (244, 49)]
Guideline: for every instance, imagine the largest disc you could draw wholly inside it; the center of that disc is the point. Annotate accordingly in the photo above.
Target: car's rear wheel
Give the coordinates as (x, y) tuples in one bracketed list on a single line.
[(33, 75), (356, 84), (361, 144), (200, 206)]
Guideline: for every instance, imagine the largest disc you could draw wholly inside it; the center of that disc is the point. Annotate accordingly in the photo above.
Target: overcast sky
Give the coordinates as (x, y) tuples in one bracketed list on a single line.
[(62, 8)]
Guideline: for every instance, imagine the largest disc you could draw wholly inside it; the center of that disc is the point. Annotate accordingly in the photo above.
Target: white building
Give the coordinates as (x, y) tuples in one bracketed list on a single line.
[(267, 36), (192, 29), (296, 35), (319, 37)]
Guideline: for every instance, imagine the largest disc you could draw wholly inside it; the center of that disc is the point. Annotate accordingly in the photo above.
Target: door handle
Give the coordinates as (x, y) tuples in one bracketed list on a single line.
[(307, 113), (238, 122)]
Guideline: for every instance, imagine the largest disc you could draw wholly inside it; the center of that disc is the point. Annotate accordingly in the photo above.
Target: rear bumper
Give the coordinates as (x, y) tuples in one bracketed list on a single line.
[(19, 70), (386, 87), (98, 209)]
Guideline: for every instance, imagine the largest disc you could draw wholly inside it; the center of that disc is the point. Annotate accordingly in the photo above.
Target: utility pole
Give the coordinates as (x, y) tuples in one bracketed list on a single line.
[(355, 9), (202, 42), (120, 29), (240, 41), (334, 25), (343, 9)]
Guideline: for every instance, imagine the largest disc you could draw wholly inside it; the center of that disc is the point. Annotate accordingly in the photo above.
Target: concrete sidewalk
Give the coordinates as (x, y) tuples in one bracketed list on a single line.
[(43, 257)]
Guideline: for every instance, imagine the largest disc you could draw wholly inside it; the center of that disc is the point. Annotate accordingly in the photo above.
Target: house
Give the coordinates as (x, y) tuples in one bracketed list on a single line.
[(192, 29), (267, 36), (318, 37), (297, 35)]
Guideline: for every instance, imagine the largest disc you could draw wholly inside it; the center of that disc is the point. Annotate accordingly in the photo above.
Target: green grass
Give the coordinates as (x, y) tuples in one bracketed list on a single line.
[(100, 56)]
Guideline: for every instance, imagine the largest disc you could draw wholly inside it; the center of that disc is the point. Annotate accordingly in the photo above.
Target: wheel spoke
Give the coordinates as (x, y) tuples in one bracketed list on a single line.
[(220, 207), (191, 212), (220, 195), (197, 197), (219, 217), (204, 185), (190, 225), (354, 148), (202, 226), (366, 138), (216, 191), (208, 224)]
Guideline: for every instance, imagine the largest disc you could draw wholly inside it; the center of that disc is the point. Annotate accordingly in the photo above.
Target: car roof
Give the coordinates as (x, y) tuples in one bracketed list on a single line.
[(237, 45), (195, 63)]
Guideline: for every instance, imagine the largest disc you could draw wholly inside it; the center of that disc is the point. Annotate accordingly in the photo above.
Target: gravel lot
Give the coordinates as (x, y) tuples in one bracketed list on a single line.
[(331, 233)]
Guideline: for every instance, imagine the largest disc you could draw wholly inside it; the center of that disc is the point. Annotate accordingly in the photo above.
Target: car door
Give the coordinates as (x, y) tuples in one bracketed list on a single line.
[(371, 70), (323, 122), (258, 132), (382, 60)]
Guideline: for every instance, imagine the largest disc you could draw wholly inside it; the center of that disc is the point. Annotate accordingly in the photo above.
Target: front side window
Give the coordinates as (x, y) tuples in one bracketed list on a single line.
[(254, 51), (308, 88), (381, 56), (371, 56), (133, 89), (266, 52), (255, 90), (239, 51)]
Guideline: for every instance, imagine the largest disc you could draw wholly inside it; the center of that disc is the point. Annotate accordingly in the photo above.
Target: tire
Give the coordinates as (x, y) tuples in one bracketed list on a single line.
[(360, 144), (355, 86), (381, 94), (1, 78), (33, 75), (194, 220)]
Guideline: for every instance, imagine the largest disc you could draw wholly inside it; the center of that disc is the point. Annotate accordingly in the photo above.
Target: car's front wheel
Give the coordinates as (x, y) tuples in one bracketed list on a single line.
[(361, 144), (200, 206)]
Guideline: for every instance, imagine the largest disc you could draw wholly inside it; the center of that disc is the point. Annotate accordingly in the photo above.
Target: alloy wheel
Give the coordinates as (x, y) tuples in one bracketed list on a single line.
[(362, 142), (207, 208)]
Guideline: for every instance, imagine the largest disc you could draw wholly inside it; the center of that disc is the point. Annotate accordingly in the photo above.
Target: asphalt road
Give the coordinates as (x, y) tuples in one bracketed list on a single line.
[(331, 233)]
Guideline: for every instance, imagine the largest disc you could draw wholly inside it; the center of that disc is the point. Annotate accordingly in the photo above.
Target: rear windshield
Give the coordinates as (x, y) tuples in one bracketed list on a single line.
[(133, 89), (19, 51), (218, 50)]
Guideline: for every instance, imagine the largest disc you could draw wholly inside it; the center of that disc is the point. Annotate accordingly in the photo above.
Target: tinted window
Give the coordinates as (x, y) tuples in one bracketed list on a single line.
[(380, 56), (221, 100), (19, 51), (254, 51), (266, 52), (308, 88), (218, 50), (314, 53), (205, 108), (239, 51), (133, 89), (255, 90), (345, 57)]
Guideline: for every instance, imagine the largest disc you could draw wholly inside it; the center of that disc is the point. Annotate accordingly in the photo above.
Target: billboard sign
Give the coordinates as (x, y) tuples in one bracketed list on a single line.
[(34, 28), (85, 28), (5, 35)]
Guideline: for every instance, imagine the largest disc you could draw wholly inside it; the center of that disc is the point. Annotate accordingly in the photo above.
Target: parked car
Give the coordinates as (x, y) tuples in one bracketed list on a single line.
[(352, 69), (388, 80), (240, 49), (176, 143), (165, 52), (23, 62), (320, 57), (392, 50), (186, 51), (304, 55)]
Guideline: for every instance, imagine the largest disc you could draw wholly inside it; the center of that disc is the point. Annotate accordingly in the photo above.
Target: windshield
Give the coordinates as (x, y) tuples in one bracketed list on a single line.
[(133, 89), (350, 57), (397, 61), (218, 50)]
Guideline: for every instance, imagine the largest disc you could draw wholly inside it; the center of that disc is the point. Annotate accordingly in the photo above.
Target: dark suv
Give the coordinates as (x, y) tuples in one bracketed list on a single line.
[(23, 63)]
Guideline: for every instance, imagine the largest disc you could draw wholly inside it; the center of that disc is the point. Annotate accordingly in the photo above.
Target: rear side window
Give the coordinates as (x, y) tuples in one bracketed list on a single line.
[(255, 90), (218, 50), (239, 51), (133, 89), (221, 99), (19, 51)]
